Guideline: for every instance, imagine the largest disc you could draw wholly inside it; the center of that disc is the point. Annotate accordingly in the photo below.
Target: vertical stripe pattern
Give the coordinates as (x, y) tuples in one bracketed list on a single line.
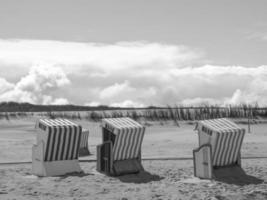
[(229, 138), (84, 139), (63, 139), (129, 137)]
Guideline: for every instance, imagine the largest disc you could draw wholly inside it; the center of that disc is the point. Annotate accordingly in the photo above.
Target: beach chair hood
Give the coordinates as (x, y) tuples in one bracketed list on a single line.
[(129, 137)]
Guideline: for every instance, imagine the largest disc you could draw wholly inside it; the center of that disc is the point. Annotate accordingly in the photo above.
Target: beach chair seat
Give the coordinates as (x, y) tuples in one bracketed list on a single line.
[(57, 148), (120, 152), (84, 149), (220, 142)]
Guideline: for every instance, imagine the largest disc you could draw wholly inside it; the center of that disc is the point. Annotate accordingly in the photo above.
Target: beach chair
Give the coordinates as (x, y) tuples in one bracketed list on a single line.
[(220, 143), (120, 152), (57, 148), (84, 149)]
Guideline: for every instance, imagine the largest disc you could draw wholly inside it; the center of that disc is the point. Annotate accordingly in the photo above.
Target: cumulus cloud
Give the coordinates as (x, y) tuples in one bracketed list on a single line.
[(36, 85), (256, 92), (5, 85), (116, 90), (123, 74)]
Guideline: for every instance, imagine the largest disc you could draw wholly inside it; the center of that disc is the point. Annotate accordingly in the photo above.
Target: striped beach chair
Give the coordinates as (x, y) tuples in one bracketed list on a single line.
[(57, 149), (220, 143), (84, 149), (120, 152)]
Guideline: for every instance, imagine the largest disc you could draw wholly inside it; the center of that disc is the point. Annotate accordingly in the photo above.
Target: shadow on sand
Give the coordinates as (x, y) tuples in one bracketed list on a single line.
[(77, 174), (235, 175), (141, 177)]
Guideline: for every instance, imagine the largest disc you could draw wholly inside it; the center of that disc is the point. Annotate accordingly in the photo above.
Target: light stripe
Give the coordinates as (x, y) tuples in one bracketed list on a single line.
[(65, 153), (120, 145), (74, 142), (116, 144), (47, 149), (132, 140), (229, 148), (125, 144), (65, 129), (228, 136), (55, 146), (52, 144), (217, 148), (60, 139)]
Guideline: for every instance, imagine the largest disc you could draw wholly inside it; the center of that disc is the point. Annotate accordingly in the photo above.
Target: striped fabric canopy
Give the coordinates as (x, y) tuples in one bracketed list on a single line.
[(129, 137), (228, 140), (63, 139)]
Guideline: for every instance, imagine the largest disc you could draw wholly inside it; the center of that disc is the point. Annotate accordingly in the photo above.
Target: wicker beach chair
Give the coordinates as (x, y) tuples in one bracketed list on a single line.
[(120, 152), (57, 149), (220, 143)]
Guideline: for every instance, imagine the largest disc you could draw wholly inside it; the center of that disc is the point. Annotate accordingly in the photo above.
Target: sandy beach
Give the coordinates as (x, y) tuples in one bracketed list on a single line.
[(162, 179)]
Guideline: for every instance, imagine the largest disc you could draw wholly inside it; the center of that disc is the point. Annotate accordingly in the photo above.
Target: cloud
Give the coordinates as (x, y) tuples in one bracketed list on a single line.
[(93, 103), (257, 35), (107, 57), (117, 90), (36, 85), (127, 104), (256, 92), (5, 85), (124, 73)]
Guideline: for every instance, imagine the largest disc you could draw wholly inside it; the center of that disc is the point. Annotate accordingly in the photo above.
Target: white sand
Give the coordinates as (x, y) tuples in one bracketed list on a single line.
[(162, 179)]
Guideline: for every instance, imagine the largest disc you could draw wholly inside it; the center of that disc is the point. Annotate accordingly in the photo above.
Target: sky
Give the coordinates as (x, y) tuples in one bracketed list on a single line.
[(133, 53)]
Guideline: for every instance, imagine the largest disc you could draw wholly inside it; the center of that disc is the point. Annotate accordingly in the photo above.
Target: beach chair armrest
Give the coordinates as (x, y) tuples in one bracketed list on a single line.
[(38, 152), (203, 161)]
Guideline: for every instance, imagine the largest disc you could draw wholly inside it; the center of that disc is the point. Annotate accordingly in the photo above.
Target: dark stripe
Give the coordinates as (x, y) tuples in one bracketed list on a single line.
[(229, 147), (64, 142), (218, 148), (135, 147), (226, 146), (116, 145), (132, 142), (124, 143), (59, 143), (74, 142), (53, 143), (78, 142), (48, 143), (224, 136), (68, 144), (233, 147), (119, 147)]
